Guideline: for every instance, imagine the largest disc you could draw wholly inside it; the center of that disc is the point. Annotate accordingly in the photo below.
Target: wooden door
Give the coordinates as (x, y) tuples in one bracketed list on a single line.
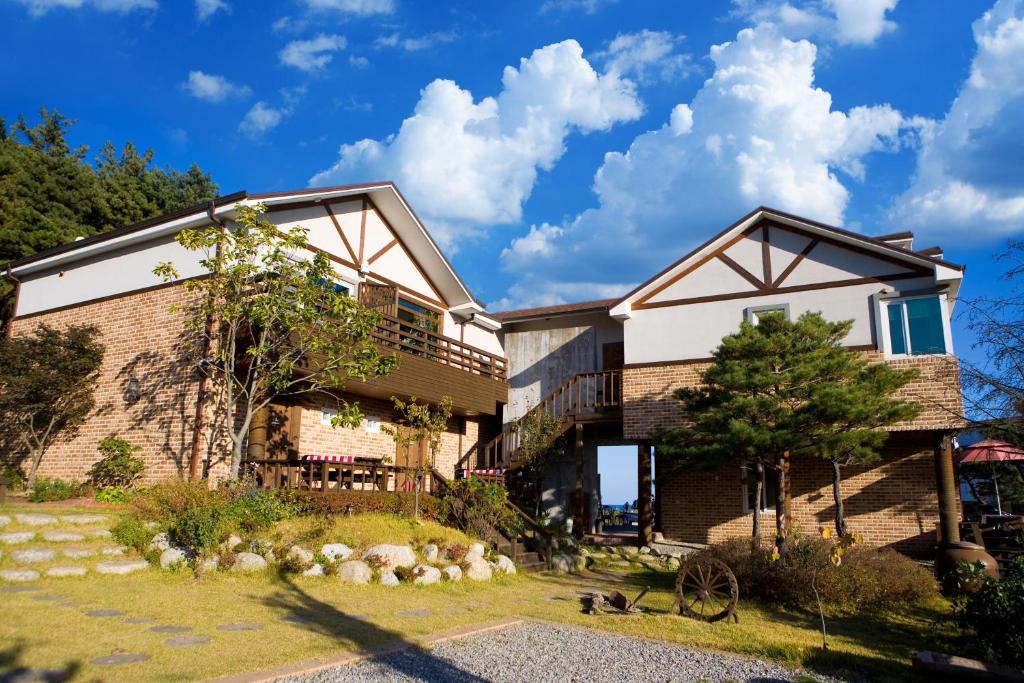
[(411, 456), (283, 432), (613, 356)]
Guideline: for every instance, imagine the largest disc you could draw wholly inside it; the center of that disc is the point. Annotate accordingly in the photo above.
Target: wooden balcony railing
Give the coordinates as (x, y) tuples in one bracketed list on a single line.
[(323, 477), (406, 337)]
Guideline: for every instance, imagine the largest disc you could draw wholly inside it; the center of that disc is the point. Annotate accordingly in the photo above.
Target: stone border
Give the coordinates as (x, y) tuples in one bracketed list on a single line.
[(309, 666)]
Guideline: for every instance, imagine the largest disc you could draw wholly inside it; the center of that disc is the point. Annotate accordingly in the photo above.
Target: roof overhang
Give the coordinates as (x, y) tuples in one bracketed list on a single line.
[(945, 273)]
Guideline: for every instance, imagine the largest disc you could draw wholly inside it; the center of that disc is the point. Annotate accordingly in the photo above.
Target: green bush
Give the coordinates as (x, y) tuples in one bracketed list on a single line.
[(168, 499), (360, 502), (258, 511), (867, 579), (992, 615), (480, 508), (15, 476), (131, 531), (118, 467), (112, 494), (46, 490), (200, 530)]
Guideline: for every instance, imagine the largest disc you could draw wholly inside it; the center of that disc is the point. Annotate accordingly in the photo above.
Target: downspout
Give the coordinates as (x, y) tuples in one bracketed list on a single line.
[(17, 298), (197, 431)]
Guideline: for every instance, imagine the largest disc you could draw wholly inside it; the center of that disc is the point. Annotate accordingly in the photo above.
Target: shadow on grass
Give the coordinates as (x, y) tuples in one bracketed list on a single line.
[(360, 636), (12, 669)]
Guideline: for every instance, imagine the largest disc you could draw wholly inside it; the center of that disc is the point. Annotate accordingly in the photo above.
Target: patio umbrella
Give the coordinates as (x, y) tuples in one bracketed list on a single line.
[(992, 451)]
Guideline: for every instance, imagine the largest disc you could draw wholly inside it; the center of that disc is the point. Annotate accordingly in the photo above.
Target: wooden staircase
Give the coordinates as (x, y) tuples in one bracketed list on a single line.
[(584, 397)]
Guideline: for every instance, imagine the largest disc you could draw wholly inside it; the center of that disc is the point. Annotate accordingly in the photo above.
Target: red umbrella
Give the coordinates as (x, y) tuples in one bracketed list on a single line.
[(991, 451)]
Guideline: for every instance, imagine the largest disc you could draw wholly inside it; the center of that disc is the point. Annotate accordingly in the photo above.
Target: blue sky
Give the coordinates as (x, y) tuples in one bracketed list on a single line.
[(565, 149)]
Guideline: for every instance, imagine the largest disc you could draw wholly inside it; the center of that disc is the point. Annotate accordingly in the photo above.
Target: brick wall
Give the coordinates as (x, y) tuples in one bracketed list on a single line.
[(892, 503), (142, 338), (648, 401)]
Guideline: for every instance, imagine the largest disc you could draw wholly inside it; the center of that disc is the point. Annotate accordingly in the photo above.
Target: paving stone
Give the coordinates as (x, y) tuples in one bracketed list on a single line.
[(113, 551), (122, 658), (77, 553), (187, 641), (67, 570), (30, 555), (121, 566), (62, 536), (97, 613), (47, 597), (4, 520), (20, 589), (83, 519), (409, 613), (138, 620), (25, 674), (296, 618), (170, 629), (35, 519), (239, 626), (17, 537), (100, 533)]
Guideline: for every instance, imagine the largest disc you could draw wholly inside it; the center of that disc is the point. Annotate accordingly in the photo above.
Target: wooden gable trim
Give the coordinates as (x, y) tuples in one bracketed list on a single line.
[(383, 250), (362, 230), (743, 272), (857, 249), (333, 257), (808, 248), (777, 290), (412, 258), (766, 256), (341, 233)]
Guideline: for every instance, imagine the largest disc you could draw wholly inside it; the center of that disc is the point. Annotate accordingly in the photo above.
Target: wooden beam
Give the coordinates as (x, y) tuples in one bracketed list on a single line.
[(380, 252), (766, 256), (743, 272), (341, 233), (808, 248), (362, 232)]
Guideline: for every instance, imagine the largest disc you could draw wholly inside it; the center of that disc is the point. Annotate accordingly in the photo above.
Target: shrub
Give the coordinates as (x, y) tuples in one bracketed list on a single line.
[(131, 531), (112, 494), (993, 613), (258, 511), (117, 467), (15, 476), (866, 580), (46, 490), (168, 499), (360, 502), (480, 508), (200, 529)]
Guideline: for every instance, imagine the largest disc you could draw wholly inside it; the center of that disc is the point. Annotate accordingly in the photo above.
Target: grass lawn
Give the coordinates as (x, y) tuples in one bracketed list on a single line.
[(329, 617)]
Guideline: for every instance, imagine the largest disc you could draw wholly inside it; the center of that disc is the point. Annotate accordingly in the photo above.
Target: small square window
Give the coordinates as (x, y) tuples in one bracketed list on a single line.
[(754, 313), (327, 416), (372, 424)]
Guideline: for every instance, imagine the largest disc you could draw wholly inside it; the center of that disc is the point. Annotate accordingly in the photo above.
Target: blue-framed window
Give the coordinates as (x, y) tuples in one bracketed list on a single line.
[(917, 326)]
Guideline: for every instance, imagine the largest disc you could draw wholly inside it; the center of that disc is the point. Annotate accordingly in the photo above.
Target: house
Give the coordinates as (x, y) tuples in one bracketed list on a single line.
[(607, 369)]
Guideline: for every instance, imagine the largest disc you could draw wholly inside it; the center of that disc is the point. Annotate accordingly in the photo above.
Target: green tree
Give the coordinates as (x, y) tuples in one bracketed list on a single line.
[(783, 388), (47, 385), (419, 422), (271, 322)]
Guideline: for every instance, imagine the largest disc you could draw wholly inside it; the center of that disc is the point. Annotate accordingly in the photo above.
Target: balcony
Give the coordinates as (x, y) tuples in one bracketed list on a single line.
[(432, 366)]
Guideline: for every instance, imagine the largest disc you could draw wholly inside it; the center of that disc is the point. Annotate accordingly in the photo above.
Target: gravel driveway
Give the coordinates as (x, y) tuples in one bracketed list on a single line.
[(535, 653)]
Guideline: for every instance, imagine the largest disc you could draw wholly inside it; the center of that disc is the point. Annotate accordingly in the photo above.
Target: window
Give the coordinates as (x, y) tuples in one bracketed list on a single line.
[(327, 416), (372, 424), (915, 326), (339, 287), (769, 493), (418, 315), (754, 313)]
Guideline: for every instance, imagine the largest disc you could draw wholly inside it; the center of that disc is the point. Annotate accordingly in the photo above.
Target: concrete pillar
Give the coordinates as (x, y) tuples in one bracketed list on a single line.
[(645, 533), (579, 522)]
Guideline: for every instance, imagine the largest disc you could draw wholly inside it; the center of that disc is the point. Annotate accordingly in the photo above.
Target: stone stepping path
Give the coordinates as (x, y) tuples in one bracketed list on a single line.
[(62, 536), (187, 641), (20, 575), (83, 519), (30, 555), (47, 597), (17, 537), (70, 570), (100, 533), (35, 519), (100, 613), (240, 626), (113, 551), (4, 520), (170, 629), (409, 613), (138, 620), (19, 589), (78, 553), (118, 659), (121, 566)]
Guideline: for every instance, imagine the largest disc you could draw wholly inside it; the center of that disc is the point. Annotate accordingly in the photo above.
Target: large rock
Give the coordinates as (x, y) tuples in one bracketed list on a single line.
[(476, 551), (426, 575), (173, 558), (300, 556), (232, 542), (430, 552), (389, 578), (264, 548), (210, 564), (121, 566), (36, 520), (30, 555), (561, 563), (391, 556), (579, 562), (355, 571), (478, 569), (17, 537), (159, 543), (336, 552), (452, 572), (18, 575), (504, 564), (315, 570), (248, 562)]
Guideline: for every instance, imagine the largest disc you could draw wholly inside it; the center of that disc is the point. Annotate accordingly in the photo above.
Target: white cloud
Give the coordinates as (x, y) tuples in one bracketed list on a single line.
[(587, 6), (758, 132), (207, 8), (357, 7), (313, 54), (467, 164), (418, 43), (262, 117), (38, 8), (358, 62), (848, 22), (545, 292), (647, 56), (969, 181), (213, 88)]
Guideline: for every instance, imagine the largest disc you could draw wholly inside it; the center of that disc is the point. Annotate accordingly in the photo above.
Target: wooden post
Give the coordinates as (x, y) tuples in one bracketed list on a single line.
[(646, 532), (945, 480), (577, 525), (256, 444)]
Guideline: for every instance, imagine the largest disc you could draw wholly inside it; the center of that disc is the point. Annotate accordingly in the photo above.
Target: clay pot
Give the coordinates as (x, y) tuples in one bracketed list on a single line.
[(947, 555)]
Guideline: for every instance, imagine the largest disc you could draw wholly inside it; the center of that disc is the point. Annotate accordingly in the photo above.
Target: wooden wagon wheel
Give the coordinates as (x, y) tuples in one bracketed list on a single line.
[(706, 589)]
